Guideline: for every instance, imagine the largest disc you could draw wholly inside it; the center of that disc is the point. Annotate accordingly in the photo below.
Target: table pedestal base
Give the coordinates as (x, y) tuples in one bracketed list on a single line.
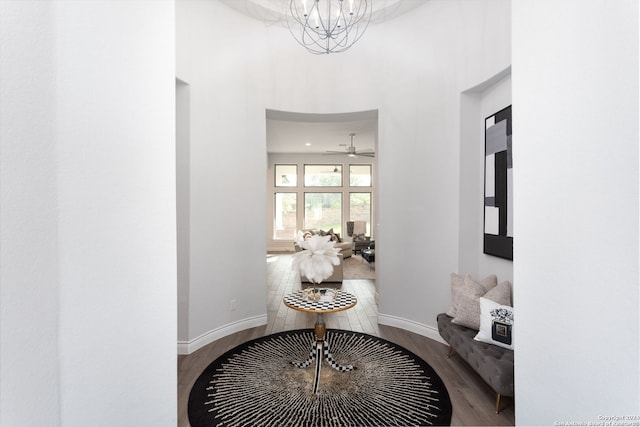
[(319, 352)]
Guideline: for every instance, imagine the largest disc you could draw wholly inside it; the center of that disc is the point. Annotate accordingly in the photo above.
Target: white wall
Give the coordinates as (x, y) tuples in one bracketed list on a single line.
[(452, 46), (29, 282), (237, 67), (575, 96), (88, 214), (219, 56)]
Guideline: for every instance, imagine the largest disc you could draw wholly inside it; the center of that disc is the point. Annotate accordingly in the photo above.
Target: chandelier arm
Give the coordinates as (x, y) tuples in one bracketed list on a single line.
[(303, 21), (320, 31)]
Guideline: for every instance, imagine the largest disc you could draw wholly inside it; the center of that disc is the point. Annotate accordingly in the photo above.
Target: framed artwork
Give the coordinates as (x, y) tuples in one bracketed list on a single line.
[(498, 185)]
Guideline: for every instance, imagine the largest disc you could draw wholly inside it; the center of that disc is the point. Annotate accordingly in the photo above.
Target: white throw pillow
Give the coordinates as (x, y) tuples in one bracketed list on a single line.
[(502, 315)]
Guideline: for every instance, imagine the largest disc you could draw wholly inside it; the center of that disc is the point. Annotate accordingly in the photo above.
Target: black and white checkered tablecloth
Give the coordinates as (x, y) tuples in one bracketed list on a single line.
[(342, 301)]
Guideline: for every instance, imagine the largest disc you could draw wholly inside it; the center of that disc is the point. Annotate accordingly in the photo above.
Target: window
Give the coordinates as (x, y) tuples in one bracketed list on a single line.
[(285, 224), (286, 175), (323, 211), (319, 196), (360, 208), (360, 175), (323, 175)]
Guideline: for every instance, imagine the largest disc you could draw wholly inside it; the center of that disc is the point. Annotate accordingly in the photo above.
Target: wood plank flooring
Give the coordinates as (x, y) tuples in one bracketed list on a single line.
[(472, 400)]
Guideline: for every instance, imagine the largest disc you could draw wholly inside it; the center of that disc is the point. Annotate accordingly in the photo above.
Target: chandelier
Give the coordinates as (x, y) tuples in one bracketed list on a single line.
[(328, 26)]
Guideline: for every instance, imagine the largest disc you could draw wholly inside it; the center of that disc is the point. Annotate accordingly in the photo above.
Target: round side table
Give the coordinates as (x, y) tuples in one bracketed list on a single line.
[(329, 300)]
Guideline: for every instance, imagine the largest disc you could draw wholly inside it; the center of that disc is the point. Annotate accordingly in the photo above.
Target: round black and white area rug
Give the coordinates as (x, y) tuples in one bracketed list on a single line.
[(255, 384)]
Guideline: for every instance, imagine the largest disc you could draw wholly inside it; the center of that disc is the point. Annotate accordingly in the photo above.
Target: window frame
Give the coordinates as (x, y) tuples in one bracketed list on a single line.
[(275, 175), (335, 165), (370, 166), (336, 229), (368, 220), (275, 215), (301, 221)]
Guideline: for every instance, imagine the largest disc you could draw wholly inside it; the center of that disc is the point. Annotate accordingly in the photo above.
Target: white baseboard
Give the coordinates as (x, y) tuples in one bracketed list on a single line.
[(411, 326), (188, 347)]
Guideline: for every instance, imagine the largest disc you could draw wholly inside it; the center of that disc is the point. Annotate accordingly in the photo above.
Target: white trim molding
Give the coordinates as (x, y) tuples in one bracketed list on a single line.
[(188, 347), (411, 326)]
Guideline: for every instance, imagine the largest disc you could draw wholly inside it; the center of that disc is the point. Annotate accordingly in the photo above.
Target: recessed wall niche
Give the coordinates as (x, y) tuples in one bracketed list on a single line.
[(476, 104)]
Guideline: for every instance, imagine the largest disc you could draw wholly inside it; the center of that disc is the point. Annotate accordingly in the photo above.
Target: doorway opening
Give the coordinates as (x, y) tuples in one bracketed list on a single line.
[(321, 176)]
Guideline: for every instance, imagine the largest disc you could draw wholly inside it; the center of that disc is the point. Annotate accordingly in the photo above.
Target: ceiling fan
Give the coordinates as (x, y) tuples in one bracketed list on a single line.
[(351, 150)]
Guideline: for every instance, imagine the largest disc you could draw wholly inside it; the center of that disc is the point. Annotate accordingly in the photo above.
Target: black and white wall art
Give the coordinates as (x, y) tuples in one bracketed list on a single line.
[(498, 185)]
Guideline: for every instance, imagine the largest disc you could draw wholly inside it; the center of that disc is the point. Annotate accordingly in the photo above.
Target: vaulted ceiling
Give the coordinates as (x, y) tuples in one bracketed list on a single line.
[(292, 132), (274, 11)]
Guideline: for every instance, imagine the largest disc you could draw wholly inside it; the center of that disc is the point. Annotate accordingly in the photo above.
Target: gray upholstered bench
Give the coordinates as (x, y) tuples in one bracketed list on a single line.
[(494, 364)]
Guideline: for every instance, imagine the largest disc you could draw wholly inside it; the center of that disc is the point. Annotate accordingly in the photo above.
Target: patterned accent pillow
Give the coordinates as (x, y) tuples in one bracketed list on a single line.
[(468, 313), (473, 288), (496, 321)]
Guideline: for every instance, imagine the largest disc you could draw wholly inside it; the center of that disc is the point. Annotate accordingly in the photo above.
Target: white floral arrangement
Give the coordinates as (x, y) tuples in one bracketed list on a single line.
[(317, 258)]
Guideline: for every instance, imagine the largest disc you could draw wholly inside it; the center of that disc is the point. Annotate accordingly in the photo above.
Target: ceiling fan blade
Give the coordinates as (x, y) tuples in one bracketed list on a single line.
[(351, 150)]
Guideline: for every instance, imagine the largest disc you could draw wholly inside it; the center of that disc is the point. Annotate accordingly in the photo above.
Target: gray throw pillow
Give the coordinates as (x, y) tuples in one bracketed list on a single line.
[(473, 289), (468, 313)]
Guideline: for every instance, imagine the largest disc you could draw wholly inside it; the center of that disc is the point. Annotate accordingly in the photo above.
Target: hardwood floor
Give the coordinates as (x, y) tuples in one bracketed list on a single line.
[(472, 400)]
